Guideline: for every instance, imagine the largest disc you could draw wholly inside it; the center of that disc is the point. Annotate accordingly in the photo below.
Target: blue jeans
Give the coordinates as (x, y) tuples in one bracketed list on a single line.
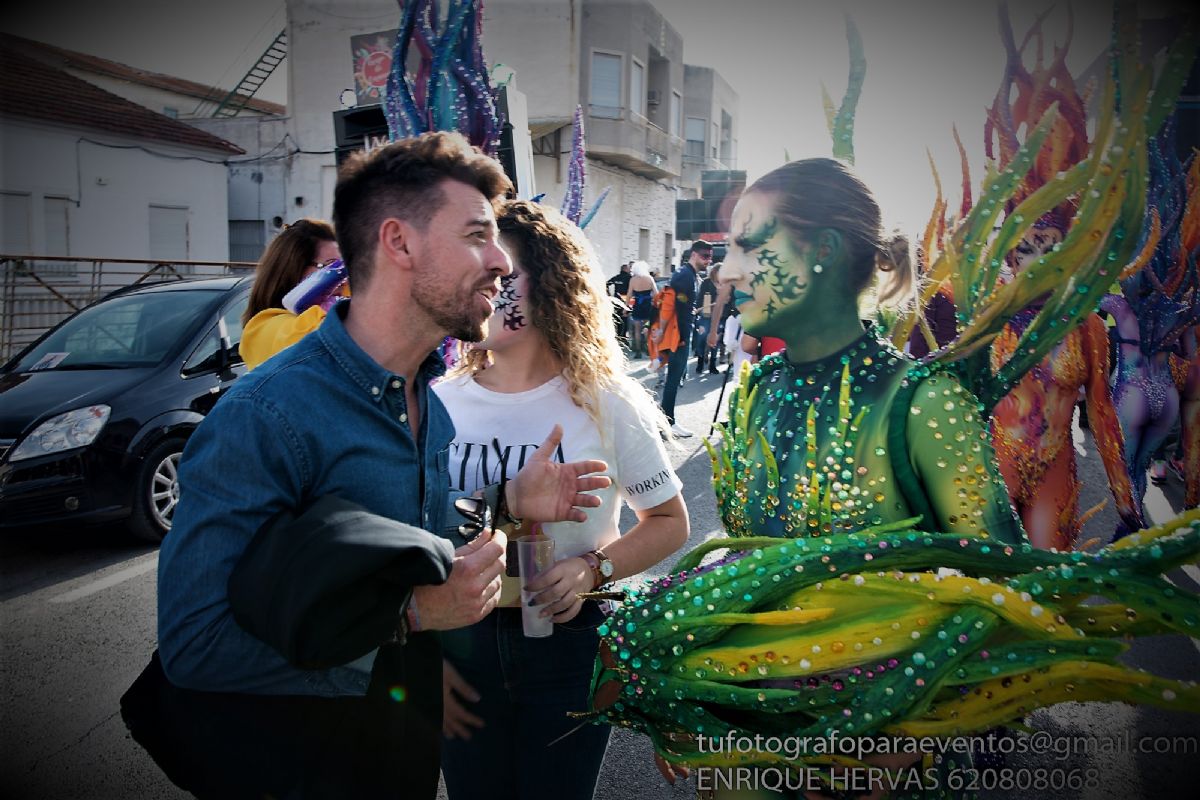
[(526, 687), (676, 367), (700, 340)]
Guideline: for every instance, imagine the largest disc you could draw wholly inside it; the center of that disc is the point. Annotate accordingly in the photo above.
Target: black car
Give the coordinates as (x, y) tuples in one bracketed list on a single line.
[(94, 414)]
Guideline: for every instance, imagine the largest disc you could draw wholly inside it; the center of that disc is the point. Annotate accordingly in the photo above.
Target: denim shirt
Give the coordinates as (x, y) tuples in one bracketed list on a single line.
[(319, 418), (684, 282)]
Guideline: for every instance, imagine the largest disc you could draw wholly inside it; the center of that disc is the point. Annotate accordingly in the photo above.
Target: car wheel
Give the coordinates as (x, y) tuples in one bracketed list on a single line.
[(157, 491)]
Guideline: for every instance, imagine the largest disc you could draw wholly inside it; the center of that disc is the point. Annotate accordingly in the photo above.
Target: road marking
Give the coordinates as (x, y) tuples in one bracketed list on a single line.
[(107, 582)]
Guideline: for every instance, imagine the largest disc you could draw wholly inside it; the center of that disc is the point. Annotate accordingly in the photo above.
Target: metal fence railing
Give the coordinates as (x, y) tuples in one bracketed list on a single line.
[(38, 292)]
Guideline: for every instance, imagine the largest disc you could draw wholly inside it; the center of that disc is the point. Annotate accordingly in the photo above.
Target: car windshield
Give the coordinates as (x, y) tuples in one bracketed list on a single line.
[(133, 330)]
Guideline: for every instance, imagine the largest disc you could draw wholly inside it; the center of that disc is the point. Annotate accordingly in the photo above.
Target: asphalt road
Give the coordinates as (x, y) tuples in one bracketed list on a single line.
[(77, 625)]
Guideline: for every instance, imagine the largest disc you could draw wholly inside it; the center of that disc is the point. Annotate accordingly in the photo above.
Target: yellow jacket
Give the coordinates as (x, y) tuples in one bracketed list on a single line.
[(275, 329)]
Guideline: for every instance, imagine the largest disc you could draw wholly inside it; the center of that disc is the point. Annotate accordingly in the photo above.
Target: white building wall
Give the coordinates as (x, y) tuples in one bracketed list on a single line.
[(112, 189), (632, 204), (319, 69), (258, 180), (540, 40)]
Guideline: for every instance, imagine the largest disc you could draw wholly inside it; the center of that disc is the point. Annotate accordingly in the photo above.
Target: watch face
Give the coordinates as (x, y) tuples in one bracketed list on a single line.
[(606, 568)]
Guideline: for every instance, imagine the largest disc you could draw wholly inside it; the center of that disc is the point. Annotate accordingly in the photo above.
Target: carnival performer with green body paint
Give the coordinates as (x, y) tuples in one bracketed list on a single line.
[(849, 433), (877, 582)]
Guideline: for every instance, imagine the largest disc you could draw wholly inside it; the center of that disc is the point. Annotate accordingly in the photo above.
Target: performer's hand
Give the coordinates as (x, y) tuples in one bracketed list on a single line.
[(544, 491), (472, 590), (712, 337), (457, 722), (670, 771), (557, 589)]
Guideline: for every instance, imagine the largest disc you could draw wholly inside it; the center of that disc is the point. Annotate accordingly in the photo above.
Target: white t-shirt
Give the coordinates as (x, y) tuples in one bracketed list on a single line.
[(638, 465), (733, 345)]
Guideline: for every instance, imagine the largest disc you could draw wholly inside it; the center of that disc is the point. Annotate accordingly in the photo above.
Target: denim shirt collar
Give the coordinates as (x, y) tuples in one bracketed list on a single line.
[(362, 369)]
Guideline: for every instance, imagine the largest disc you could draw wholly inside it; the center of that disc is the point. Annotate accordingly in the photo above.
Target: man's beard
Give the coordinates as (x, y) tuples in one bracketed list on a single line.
[(452, 315)]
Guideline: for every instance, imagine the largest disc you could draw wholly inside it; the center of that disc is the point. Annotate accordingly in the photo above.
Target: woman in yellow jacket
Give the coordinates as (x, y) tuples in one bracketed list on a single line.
[(291, 257)]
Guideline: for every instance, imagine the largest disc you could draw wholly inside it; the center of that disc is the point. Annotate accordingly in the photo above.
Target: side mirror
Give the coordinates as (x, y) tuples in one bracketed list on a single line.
[(223, 355)]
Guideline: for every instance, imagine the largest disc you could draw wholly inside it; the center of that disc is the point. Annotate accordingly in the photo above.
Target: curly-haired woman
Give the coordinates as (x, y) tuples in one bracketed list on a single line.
[(550, 357)]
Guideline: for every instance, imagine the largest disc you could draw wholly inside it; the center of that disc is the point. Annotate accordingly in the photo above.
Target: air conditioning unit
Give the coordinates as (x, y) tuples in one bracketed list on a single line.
[(653, 97)]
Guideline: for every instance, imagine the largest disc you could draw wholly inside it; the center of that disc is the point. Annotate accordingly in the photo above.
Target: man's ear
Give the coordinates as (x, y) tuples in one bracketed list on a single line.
[(829, 246), (396, 239)]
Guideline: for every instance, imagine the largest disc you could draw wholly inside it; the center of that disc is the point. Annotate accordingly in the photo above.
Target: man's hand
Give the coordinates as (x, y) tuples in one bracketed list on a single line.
[(457, 722), (472, 590), (557, 589), (544, 491)]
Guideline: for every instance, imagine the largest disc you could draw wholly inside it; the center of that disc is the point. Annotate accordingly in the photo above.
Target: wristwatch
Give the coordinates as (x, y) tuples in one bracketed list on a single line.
[(602, 567)]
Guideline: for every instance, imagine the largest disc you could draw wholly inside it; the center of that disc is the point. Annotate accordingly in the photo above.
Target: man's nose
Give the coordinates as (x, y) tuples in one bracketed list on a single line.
[(499, 261)]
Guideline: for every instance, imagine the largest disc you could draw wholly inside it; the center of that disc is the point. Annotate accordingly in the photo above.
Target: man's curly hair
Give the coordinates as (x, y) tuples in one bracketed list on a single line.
[(566, 302)]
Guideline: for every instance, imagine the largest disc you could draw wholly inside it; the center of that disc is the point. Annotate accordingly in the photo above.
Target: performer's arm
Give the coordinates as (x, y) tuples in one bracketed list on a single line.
[(1102, 418), (953, 458)]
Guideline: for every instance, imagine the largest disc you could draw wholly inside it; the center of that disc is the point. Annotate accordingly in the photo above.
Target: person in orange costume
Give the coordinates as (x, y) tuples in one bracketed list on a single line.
[(664, 333), (1031, 426)]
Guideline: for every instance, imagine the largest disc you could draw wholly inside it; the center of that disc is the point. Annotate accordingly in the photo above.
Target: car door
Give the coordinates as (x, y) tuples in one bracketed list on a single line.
[(204, 364)]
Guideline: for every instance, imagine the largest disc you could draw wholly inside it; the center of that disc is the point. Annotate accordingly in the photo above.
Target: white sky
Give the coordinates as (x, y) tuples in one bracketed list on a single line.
[(930, 63)]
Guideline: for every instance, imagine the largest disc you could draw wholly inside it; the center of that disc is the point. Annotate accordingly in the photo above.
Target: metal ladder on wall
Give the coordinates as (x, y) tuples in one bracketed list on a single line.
[(237, 99)]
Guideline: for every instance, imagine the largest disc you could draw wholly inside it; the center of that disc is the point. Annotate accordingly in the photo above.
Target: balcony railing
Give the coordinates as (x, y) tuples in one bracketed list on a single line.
[(38, 292), (626, 138), (707, 162)]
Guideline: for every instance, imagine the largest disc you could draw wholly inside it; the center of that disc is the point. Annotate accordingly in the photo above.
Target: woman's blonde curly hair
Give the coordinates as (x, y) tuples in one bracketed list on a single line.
[(566, 302)]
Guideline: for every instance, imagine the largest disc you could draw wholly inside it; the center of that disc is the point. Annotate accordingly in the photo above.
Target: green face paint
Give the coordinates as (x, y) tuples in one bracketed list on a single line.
[(770, 276)]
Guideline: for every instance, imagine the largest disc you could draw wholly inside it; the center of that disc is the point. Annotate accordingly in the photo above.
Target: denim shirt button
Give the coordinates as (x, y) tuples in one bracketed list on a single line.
[(395, 384), (374, 390), (403, 417)]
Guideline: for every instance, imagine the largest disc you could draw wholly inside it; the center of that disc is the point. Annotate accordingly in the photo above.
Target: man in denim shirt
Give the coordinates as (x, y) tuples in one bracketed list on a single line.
[(347, 412)]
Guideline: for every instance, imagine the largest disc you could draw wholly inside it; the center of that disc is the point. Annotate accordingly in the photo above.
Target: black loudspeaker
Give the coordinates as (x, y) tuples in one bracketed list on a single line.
[(720, 190), (359, 128), (506, 154), (365, 127), (691, 218)]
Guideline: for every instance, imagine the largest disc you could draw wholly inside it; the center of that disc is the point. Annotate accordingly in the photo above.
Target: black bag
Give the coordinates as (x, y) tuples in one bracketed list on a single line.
[(227, 745)]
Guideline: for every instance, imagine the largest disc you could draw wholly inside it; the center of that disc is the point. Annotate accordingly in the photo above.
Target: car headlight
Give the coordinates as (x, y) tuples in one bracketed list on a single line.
[(77, 428)]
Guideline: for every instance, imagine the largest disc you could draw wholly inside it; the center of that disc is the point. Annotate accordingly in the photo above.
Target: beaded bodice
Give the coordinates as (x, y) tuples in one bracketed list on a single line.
[(809, 449)]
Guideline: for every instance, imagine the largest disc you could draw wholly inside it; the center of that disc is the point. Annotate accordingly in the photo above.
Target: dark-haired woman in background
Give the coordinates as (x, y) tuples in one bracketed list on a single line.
[(290, 257)]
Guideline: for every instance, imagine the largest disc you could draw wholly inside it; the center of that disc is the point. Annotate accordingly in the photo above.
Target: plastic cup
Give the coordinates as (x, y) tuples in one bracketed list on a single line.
[(535, 555)]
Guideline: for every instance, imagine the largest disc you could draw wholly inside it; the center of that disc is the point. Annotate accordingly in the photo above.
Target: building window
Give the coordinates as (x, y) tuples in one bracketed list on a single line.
[(694, 134), (15, 224), (169, 235), (676, 118), (637, 88), (643, 244), (605, 95), (247, 239), (173, 113), (57, 231), (56, 226), (716, 137)]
